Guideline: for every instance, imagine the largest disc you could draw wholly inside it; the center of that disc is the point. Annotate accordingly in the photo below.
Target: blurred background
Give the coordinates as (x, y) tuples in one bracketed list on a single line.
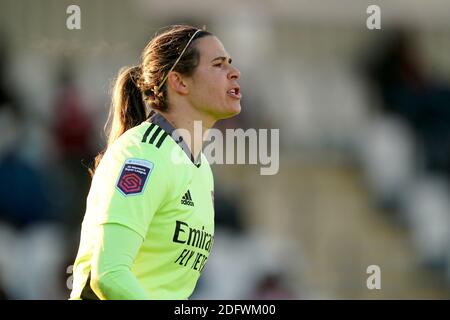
[(364, 119)]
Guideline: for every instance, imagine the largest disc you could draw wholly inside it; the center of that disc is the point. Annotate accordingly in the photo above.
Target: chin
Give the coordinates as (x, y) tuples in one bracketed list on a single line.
[(232, 111), (228, 111)]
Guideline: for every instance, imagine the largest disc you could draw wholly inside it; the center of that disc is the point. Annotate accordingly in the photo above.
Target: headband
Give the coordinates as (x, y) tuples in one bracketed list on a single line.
[(156, 90)]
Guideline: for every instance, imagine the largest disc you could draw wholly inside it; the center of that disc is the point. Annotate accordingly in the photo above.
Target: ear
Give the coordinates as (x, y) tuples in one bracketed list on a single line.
[(177, 83)]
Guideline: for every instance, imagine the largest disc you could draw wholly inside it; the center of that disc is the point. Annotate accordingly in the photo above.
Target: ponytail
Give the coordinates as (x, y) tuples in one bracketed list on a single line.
[(127, 108)]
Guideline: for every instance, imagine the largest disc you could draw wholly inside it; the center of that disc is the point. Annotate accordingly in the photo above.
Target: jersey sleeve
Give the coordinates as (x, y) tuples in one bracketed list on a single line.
[(129, 186), (113, 257)]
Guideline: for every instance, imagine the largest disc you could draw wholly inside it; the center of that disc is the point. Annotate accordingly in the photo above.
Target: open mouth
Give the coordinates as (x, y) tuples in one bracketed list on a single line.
[(235, 93)]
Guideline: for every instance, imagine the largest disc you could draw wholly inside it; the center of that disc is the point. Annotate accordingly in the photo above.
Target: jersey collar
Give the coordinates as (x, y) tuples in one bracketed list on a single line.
[(163, 123)]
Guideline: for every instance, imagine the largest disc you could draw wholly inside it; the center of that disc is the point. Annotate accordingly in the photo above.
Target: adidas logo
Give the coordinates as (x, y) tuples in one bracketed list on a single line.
[(187, 199)]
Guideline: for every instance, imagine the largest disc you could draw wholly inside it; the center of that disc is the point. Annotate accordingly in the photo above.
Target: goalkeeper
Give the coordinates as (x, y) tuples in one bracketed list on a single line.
[(149, 222)]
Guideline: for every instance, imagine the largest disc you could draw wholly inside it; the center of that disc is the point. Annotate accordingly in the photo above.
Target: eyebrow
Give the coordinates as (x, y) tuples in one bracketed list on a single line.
[(223, 59)]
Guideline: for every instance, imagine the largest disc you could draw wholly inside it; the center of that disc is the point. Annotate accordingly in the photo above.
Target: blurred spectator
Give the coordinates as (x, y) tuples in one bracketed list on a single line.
[(31, 244), (414, 128), (227, 212), (398, 75), (271, 286), (23, 199), (73, 136), (72, 126)]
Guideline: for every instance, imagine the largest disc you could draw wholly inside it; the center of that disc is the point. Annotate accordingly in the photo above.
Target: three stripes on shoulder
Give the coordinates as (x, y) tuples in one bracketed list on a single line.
[(154, 135)]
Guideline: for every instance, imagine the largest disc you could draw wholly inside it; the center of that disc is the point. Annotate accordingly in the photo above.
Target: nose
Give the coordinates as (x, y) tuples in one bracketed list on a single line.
[(234, 74)]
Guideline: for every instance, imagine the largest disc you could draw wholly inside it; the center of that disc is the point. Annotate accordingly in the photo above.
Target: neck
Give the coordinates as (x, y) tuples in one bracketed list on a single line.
[(194, 123)]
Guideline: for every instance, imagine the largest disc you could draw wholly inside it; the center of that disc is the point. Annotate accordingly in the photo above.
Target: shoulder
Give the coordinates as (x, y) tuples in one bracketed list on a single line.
[(133, 148), (145, 140), (131, 159)]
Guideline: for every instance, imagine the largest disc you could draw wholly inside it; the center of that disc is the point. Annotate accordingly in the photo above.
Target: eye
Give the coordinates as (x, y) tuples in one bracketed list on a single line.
[(218, 65)]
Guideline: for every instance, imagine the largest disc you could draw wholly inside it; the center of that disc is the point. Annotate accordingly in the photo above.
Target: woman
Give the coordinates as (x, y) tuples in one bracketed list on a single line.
[(149, 222)]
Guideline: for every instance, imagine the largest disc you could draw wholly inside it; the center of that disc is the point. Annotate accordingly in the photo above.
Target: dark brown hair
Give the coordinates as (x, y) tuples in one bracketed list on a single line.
[(136, 89)]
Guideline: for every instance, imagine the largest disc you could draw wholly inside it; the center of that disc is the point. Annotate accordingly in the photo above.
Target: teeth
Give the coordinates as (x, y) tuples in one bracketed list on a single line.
[(234, 92)]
